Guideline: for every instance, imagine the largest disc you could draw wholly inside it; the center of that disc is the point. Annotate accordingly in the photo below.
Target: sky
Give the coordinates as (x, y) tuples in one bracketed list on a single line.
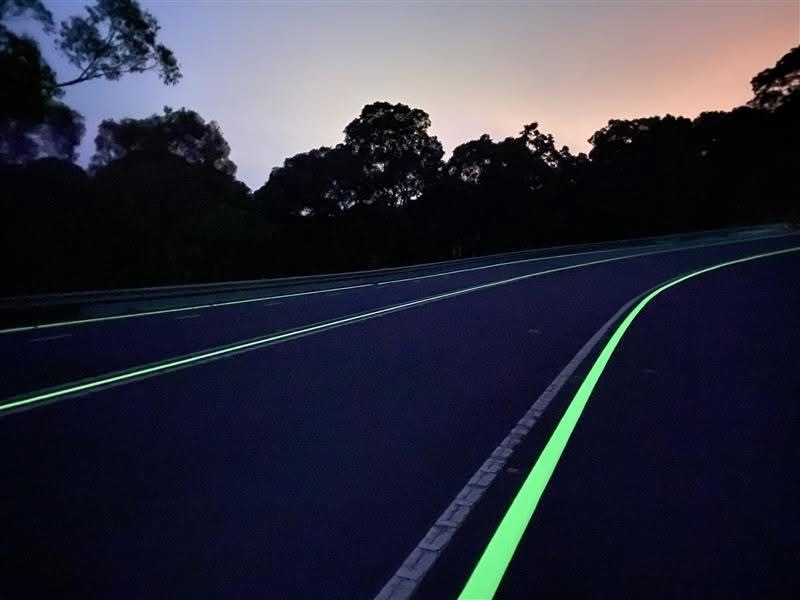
[(285, 77)]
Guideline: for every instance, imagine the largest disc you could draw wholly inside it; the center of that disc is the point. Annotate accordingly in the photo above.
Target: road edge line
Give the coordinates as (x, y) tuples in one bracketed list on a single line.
[(487, 574), (421, 559)]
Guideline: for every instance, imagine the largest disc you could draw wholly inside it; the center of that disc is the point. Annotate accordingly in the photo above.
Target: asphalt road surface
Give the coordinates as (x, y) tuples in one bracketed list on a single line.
[(306, 447)]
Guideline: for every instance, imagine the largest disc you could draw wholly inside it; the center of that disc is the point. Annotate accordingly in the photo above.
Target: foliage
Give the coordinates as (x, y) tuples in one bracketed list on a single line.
[(395, 153), (10, 9), (161, 204), (778, 84), (182, 132), (33, 123), (114, 38)]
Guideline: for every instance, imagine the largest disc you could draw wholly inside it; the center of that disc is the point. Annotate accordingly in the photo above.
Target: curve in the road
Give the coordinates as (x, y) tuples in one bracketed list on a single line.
[(380, 283), (26, 401), (492, 565)]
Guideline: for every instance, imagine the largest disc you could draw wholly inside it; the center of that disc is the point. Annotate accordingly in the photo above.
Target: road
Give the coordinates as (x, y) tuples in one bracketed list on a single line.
[(305, 445)]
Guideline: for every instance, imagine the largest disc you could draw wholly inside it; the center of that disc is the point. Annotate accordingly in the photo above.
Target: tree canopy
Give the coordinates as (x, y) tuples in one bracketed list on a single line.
[(181, 132), (160, 203), (776, 85), (33, 123), (114, 38), (395, 153)]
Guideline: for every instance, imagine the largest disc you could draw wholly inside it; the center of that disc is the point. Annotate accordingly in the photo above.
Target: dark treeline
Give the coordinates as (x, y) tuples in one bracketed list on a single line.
[(160, 203)]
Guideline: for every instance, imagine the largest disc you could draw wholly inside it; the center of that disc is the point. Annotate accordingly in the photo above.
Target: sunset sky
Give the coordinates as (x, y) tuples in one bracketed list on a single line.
[(284, 77)]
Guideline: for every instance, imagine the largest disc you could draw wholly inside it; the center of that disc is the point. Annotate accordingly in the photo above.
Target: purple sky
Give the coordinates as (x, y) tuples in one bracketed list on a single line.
[(284, 77)]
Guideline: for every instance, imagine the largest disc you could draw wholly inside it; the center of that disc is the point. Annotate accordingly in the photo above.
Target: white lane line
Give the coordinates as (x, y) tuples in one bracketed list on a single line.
[(183, 317), (49, 337), (181, 309), (351, 287), (540, 258), (422, 558), (115, 378), (493, 265)]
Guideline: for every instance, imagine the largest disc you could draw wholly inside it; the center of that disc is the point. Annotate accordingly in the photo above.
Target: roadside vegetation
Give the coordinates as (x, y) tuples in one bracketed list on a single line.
[(160, 202)]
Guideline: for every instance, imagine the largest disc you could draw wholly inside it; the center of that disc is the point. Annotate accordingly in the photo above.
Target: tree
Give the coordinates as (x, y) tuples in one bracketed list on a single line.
[(43, 226), (397, 156), (182, 132), (644, 176), (164, 220), (507, 189), (33, 123), (30, 84), (10, 9), (116, 37), (318, 183), (386, 161), (775, 85), (57, 134)]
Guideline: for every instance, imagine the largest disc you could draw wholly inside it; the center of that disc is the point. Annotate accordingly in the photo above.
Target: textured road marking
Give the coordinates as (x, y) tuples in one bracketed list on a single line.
[(174, 310), (485, 578), (404, 582), (184, 317), (49, 337)]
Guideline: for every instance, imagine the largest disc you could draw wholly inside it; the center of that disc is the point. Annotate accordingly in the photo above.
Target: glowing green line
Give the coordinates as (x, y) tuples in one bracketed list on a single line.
[(485, 578), (112, 378), (165, 311), (350, 287)]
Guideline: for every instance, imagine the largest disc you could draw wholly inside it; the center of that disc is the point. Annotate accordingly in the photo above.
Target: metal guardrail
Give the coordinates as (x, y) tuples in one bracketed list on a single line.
[(75, 299)]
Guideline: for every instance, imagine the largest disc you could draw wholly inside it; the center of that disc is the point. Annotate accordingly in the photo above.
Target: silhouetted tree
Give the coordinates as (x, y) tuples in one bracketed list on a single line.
[(114, 38), (396, 155), (775, 85), (30, 84), (641, 174), (46, 238), (33, 123), (508, 189), (318, 183), (182, 132), (57, 134), (11, 9), (163, 219), (162, 205)]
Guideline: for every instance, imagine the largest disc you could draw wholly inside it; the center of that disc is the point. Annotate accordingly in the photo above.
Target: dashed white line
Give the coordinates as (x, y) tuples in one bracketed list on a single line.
[(174, 310), (49, 338)]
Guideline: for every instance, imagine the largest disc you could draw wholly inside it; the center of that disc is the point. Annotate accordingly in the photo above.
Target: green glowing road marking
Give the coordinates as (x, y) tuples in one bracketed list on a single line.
[(485, 578), (350, 287), (179, 309), (113, 378), (540, 258)]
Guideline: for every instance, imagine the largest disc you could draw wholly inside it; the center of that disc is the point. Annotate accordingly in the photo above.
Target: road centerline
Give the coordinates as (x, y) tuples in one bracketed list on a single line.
[(165, 311), (377, 284), (493, 562), (32, 398)]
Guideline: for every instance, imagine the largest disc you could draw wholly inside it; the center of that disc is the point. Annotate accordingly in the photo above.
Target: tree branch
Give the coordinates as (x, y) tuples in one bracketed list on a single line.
[(84, 74)]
